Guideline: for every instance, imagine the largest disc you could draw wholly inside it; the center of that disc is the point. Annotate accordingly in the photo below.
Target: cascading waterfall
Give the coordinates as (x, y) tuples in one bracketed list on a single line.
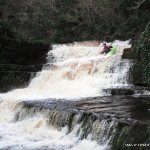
[(77, 71), (72, 72)]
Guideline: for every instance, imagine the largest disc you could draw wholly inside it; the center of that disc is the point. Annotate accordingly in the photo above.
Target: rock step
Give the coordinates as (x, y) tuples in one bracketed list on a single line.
[(119, 91), (125, 119), (136, 107)]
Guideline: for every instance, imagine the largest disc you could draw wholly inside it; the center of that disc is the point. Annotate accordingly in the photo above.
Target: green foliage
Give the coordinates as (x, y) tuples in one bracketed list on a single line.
[(143, 52)]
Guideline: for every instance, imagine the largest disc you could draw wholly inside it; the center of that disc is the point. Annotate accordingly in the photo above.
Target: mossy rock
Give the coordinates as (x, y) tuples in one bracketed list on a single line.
[(132, 134)]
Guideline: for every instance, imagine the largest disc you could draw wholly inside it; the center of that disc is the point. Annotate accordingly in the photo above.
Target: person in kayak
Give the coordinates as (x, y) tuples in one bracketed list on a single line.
[(106, 49)]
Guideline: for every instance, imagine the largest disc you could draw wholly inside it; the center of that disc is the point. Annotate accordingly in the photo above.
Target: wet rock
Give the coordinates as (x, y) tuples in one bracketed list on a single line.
[(131, 136), (133, 107), (119, 91), (141, 68), (128, 53), (19, 61), (137, 75), (13, 79), (121, 120), (142, 90)]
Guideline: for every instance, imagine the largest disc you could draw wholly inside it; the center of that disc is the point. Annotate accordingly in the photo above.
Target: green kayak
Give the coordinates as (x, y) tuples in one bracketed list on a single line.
[(112, 51)]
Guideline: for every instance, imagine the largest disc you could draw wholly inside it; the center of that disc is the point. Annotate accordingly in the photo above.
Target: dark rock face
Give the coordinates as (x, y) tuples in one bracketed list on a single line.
[(143, 54), (19, 61), (130, 137), (136, 71), (119, 91), (128, 53), (137, 74), (22, 53), (121, 120), (140, 53), (13, 79)]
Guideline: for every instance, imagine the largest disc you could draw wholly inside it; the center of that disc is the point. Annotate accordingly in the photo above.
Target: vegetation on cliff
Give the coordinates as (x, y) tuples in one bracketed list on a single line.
[(143, 53)]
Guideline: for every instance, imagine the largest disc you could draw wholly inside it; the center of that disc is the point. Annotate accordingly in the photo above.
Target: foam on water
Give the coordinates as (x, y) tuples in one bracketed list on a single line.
[(78, 71), (32, 133)]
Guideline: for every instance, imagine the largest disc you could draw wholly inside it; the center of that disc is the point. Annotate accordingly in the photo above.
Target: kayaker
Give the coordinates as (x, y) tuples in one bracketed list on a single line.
[(106, 48)]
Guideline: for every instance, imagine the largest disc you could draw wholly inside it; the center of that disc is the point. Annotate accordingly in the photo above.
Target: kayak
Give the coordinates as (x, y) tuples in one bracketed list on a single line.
[(112, 51)]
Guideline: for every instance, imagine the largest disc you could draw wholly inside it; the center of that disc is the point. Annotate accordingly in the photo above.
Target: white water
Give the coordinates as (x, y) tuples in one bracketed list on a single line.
[(78, 71), (33, 133)]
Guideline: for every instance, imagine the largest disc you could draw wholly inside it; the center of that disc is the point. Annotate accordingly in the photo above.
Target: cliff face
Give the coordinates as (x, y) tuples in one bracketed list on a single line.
[(18, 60)]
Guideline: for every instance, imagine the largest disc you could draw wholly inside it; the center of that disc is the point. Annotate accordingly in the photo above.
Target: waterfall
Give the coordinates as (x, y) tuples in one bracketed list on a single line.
[(34, 127), (73, 72)]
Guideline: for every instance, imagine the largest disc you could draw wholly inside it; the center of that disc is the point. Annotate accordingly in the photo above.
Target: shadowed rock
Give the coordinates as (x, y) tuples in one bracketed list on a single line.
[(119, 91)]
